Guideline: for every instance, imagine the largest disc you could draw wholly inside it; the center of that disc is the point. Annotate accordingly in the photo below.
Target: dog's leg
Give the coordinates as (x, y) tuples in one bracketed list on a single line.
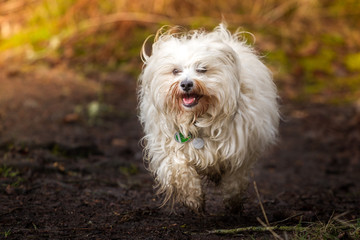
[(233, 185), (180, 182)]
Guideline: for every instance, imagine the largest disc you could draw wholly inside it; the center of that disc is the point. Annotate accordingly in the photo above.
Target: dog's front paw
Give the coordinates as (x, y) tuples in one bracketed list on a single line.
[(192, 196), (196, 204)]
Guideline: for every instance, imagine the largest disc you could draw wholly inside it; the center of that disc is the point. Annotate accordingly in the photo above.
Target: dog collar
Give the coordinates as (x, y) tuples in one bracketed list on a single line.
[(198, 143), (181, 139)]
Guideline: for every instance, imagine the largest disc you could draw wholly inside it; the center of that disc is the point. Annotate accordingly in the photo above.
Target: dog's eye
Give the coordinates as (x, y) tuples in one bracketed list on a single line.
[(201, 70), (176, 71)]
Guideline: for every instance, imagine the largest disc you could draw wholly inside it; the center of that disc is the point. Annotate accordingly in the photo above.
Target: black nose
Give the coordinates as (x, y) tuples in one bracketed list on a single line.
[(186, 85)]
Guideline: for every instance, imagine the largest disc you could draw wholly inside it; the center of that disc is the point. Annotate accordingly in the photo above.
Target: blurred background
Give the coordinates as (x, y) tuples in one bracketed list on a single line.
[(312, 46)]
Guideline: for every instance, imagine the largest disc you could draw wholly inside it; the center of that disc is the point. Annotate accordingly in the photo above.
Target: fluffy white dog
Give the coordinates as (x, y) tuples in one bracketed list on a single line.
[(209, 108)]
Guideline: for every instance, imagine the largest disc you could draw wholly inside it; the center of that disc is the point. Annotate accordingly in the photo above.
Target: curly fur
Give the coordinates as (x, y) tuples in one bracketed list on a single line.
[(237, 115)]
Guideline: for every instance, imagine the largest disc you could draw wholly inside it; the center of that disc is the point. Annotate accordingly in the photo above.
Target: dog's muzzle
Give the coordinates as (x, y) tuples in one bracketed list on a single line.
[(187, 85), (189, 96)]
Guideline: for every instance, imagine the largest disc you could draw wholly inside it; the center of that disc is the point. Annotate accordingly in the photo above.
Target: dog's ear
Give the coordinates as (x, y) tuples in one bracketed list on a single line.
[(228, 54), (146, 48), (231, 55)]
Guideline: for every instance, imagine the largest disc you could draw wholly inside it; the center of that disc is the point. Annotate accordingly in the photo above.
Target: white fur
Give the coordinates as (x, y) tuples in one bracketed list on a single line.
[(237, 123)]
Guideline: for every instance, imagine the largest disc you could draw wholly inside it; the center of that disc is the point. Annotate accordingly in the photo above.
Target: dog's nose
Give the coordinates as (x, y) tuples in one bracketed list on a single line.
[(186, 85)]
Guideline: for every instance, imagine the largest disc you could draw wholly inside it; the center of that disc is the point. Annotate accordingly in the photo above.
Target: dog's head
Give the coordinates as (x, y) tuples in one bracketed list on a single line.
[(192, 73)]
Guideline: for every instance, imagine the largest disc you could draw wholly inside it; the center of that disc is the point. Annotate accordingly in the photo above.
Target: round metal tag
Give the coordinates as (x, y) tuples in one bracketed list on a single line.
[(198, 143)]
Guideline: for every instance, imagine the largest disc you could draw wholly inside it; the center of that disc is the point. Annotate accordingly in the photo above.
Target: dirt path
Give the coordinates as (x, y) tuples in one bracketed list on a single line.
[(71, 166)]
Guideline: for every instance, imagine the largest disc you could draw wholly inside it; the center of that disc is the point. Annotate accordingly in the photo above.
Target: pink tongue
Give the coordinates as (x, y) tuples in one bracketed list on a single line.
[(188, 100)]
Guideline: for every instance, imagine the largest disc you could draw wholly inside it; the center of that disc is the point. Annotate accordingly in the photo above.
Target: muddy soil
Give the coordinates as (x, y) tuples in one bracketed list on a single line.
[(71, 164)]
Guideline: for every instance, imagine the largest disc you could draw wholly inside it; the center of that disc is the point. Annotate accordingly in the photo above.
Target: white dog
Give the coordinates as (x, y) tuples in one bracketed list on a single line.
[(209, 108)]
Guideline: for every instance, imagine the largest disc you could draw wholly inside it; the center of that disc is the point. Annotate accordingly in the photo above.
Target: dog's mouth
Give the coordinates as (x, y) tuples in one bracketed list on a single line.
[(190, 100)]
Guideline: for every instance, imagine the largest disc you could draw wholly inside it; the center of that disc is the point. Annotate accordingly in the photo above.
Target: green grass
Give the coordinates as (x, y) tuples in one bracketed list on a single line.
[(335, 228), (129, 170), (8, 172), (7, 233), (11, 175)]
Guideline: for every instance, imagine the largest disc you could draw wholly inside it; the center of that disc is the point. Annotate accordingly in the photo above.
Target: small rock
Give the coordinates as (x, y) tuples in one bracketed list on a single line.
[(118, 142), (71, 118)]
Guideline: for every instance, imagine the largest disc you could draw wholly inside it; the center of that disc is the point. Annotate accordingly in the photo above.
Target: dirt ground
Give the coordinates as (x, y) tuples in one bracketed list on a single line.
[(72, 165)]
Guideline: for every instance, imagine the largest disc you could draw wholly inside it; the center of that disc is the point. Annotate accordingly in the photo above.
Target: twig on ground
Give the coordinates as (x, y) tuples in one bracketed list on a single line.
[(265, 228), (261, 205), (267, 225), (258, 229)]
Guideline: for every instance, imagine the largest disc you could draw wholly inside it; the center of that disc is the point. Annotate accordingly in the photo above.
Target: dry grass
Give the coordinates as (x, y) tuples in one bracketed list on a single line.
[(335, 228)]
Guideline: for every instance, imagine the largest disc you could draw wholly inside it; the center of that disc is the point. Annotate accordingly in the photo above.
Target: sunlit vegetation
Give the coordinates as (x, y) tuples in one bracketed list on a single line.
[(311, 46)]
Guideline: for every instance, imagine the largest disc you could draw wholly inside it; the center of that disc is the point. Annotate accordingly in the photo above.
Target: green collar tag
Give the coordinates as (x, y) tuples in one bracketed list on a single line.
[(181, 139)]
